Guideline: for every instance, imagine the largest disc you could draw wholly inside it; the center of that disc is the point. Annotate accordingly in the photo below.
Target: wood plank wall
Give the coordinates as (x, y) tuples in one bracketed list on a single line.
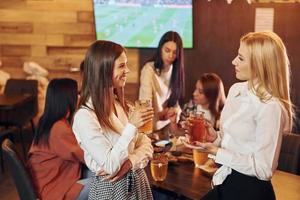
[(53, 33)]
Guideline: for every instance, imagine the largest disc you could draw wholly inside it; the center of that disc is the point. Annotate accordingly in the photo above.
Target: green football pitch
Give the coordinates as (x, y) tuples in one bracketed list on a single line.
[(142, 26)]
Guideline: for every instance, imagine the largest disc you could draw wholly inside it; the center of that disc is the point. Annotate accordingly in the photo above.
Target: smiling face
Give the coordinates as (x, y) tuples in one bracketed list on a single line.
[(168, 53), (120, 71), (199, 96), (242, 64)]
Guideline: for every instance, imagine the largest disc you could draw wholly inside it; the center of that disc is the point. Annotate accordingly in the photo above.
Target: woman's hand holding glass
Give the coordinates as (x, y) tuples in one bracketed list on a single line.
[(206, 147), (138, 117)]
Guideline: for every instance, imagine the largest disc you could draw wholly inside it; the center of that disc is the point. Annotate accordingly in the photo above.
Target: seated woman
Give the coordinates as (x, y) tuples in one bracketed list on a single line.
[(208, 97), (55, 159)]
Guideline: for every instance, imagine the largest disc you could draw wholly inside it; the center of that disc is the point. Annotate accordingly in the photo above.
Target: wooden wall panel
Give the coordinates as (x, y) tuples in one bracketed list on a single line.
[(22, 39), (16, 50), (21, 15), (17, 27), (78, 40), (63, 28), (38, 50), (83, 16)]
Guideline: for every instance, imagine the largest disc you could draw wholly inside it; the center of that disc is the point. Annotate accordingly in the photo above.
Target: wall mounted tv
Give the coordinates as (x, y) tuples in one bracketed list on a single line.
[(141, 23)]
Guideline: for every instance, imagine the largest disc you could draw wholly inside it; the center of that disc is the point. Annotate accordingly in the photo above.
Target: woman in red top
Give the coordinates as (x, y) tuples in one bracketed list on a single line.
[(55, 158)]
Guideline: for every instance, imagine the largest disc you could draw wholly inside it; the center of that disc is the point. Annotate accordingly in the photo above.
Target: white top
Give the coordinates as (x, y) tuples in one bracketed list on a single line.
[(156, 88), (108, 150), (206, 114), (250, 135)]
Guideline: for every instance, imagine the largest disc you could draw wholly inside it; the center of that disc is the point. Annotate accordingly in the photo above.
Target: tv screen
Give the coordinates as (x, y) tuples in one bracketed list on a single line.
[(141, 23)]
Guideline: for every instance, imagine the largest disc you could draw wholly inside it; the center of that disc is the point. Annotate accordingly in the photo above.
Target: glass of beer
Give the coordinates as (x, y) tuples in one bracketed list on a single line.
[(159, 168), (199, 158), (147, 127), (197, 129)]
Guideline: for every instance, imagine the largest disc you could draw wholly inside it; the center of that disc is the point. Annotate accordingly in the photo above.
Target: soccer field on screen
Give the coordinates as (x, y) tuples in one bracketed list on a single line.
[(142, 26)]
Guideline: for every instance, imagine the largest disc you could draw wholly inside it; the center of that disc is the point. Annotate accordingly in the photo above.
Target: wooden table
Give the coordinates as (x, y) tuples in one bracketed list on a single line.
[(186, 181), (16, 110), (286, 186), (183, 181), (12, 107)]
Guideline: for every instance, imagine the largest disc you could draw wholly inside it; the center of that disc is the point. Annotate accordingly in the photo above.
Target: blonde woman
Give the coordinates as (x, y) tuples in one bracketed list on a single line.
[(256, 114)]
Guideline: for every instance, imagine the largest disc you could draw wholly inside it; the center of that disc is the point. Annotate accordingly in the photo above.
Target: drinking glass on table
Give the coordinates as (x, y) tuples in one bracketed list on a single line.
[(147, 127), (159, 167)]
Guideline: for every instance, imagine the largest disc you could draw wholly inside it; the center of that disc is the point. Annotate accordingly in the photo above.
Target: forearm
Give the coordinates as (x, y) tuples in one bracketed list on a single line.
[(143, 152)]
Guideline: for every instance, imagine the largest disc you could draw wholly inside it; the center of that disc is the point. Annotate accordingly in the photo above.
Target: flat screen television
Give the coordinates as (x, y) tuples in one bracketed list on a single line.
[(141, 23)]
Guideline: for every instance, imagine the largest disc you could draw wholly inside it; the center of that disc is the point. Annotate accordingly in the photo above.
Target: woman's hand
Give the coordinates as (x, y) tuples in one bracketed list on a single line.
[(171, 115), (186, 125), (141, 116), (162, 115), (205, 147), (127, 165)]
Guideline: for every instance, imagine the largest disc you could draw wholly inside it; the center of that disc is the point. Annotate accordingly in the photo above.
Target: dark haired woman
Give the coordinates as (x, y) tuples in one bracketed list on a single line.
[(162, 79), (55, 158), (107, 131)]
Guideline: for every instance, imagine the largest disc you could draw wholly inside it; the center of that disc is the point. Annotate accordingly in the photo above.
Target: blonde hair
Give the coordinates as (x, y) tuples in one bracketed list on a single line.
[(270, 67)]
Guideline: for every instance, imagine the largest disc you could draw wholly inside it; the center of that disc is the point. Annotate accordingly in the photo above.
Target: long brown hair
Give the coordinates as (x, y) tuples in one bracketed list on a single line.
[(213, 90), (97, 81), (177, 83)]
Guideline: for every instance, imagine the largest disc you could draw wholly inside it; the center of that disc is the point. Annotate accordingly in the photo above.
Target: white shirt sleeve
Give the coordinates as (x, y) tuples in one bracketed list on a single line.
[(262, 162), (96, 144), (142, 153), (145, 91)]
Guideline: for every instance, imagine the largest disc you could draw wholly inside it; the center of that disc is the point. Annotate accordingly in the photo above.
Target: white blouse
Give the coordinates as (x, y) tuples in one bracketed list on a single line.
[(156, 88), (108, 150), (207, 114), (251, 134)]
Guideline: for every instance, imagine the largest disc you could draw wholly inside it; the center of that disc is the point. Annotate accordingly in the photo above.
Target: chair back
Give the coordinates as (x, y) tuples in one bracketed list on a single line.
[(289, 158), (23, 86), (18, 171)]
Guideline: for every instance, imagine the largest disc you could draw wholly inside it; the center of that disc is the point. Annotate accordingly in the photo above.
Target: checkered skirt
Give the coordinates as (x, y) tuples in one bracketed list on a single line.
[(133, 186)]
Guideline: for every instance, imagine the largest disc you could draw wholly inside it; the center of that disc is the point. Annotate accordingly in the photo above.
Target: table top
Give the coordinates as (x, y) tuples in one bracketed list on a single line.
[(286, 186), (184, 180), (10, 101)]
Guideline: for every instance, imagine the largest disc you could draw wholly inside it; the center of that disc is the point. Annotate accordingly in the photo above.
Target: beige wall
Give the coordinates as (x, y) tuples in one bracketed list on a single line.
[(53, 33)]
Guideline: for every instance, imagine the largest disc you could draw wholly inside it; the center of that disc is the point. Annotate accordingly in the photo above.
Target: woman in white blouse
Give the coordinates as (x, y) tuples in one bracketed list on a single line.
[(162, 79), (105, 129), (256, 114)]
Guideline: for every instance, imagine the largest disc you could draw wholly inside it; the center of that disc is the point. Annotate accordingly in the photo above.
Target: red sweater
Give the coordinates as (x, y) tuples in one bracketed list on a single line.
[(56, 169)]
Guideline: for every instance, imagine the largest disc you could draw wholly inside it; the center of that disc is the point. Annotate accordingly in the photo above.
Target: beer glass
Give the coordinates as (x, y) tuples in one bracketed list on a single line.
[(159, 168), (147, 127), (199, 158), (197, 129)]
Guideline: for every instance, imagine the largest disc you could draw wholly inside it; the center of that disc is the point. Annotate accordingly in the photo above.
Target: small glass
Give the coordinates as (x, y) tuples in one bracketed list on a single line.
[(147, 127), (159, 168), (199, 158)]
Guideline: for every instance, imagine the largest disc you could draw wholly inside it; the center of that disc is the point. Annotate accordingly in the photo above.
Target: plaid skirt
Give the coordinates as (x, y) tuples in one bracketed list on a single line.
[(133, 186)]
